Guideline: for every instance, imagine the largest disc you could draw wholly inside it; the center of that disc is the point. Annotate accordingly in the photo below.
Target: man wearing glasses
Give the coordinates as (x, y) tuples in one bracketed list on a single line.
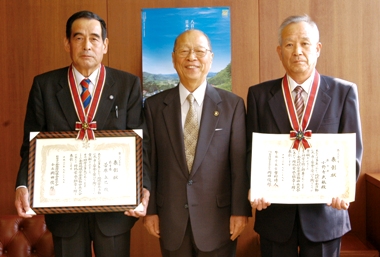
[(199, 183)]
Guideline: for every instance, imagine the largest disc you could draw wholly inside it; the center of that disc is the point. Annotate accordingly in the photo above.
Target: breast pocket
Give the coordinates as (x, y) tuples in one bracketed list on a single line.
[(329, 125), (117, 118), (220, 132)]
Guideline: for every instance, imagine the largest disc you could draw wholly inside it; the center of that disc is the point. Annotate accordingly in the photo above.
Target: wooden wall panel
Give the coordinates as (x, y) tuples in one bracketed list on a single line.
[(348, 32), (32, 44)]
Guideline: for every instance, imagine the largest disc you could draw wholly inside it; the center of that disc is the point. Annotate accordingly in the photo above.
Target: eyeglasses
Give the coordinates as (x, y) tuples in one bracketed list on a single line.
[(198, 51)]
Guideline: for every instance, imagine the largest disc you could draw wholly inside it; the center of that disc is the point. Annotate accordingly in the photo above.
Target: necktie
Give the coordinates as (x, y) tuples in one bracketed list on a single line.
[(190, 133), (85, 96), (298, 102)]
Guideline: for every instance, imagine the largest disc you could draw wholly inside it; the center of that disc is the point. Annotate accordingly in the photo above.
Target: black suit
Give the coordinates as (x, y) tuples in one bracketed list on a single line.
[(217, 186), (50, 108), (336, 111)]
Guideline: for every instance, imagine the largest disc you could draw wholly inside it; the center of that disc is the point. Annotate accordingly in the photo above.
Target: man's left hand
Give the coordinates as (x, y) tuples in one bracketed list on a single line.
[(140, 210), (237, 225), (339, 204)]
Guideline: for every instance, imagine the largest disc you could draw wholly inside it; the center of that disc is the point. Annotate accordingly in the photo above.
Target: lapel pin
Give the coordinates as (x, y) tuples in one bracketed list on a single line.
[(216, 113), (111, 97)]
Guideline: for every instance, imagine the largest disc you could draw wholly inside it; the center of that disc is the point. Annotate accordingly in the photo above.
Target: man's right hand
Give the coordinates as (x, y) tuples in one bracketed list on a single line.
[(151, 223), (22, 202), (258, 204)]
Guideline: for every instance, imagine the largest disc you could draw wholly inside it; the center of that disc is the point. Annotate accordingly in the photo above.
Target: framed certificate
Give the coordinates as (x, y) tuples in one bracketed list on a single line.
[(67, 175), (281, 174)]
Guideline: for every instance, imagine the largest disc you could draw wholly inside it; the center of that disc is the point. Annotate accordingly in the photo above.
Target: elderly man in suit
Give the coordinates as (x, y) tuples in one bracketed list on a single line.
[(311, 229), (196, 206), (51, 107)]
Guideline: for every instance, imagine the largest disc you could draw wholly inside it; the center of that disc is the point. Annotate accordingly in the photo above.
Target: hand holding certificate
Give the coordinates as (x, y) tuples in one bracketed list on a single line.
[(140, 210)]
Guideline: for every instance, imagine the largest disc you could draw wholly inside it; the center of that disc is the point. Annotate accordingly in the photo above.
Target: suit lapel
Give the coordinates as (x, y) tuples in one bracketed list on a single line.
[(172, 118), (278, 108), (105, 105), (208, 125), (322, 103), (66, 102)]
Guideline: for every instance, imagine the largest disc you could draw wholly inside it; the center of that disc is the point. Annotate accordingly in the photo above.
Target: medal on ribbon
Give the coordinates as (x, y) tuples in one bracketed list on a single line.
[(299, 134), (86, 125)]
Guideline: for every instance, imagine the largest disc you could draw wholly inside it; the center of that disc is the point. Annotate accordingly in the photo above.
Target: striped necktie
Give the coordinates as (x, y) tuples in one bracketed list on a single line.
[(298, 102), (85, 96)]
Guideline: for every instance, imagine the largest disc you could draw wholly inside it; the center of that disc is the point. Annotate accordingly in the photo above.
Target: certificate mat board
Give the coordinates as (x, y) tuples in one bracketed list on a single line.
[(67, 175), (281, 174)]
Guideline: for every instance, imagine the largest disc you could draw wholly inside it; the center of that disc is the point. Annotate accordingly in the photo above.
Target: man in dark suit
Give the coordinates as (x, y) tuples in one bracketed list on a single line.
[(198, 209), (314, 229), (51, 107)]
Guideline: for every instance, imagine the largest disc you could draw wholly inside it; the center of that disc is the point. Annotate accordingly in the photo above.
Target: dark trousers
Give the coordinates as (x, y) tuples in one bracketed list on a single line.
[(88, 234), (299, 245), (189, 249)]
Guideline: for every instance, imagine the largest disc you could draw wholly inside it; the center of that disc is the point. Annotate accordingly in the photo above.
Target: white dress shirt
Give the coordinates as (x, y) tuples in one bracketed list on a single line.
[(306, 86), (93, 77)]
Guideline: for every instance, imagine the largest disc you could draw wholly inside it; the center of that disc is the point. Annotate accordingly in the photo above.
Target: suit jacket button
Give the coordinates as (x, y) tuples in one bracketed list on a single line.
[(190, 182), (186, 206)]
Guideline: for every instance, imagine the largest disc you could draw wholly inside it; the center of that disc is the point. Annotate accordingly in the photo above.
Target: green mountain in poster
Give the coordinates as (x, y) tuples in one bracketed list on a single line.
[(222, 79)]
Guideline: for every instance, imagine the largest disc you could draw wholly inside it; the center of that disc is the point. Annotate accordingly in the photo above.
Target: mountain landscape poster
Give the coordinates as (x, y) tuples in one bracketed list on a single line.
[(161, 26)]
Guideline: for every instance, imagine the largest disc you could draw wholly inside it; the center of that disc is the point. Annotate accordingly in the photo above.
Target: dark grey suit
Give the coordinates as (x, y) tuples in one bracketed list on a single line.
[(217, 186), (336, 111), (50, 108)]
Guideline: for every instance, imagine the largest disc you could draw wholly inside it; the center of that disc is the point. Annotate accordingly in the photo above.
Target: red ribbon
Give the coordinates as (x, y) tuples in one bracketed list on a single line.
[(300, 137), (86, 125), (86, 130), (299, 133)]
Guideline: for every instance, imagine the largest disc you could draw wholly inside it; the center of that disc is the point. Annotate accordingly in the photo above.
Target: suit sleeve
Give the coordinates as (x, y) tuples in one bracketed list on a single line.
[(240, 182), (34, 121), (252, 126), (135, 119), (350, 123), (152, 209)]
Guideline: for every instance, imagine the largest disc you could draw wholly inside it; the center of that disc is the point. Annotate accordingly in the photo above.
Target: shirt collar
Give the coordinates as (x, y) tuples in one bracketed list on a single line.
[(199, 93), (306, 85), (79, 77)]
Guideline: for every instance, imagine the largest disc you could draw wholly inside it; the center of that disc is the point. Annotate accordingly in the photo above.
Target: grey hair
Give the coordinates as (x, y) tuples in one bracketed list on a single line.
[(297, 19)]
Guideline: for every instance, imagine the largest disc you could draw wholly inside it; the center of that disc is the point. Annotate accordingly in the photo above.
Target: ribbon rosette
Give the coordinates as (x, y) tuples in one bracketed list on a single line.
[(300, 137), (86, 130)]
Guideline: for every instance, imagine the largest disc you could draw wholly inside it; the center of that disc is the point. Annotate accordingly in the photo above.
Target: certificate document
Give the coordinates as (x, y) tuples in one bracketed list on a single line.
[(70, 175), (281, 174)]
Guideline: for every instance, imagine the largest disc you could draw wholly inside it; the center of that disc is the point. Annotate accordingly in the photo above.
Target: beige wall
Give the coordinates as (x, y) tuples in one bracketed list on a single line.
[(32, 43)]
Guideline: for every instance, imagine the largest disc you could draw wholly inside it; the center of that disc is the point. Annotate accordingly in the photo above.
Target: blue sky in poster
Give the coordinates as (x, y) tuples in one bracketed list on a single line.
[(161, 26)]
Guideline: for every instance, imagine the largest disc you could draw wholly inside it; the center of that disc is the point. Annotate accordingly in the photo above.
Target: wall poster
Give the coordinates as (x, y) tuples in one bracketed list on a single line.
[(160, 27)]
